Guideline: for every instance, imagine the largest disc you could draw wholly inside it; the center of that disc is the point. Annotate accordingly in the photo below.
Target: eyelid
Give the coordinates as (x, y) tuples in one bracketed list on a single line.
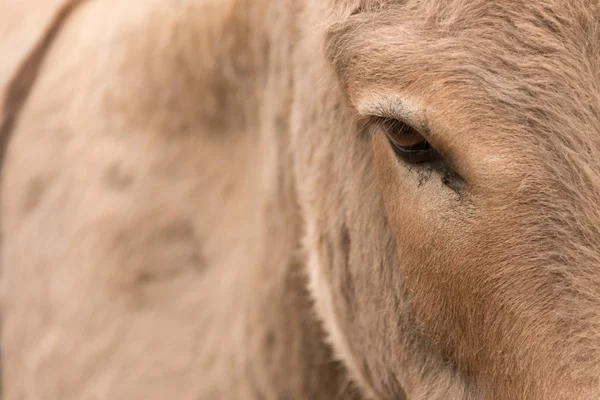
[(395, 107), (373, 113), (410, 112)]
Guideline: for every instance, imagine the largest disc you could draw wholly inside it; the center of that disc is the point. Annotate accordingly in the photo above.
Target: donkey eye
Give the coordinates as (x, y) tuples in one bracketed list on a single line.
[(408, 144)]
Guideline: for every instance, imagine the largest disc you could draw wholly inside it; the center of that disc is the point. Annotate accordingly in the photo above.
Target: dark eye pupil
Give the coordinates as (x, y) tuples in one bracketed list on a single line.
[(408, 144), (415, 154)]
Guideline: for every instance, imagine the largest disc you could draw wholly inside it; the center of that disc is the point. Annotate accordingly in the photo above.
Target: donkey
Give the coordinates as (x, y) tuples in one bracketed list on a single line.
[(303, 199)]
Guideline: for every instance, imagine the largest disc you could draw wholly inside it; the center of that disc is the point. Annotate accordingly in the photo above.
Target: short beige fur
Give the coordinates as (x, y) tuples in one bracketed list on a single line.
[(192, 204)]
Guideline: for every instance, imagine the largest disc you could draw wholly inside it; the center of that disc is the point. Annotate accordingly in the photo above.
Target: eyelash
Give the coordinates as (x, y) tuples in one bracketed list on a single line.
[(416, 151), (408, 144)]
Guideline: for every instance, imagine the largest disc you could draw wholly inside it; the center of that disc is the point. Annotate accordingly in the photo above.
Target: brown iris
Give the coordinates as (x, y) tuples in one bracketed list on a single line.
[(407, 142)]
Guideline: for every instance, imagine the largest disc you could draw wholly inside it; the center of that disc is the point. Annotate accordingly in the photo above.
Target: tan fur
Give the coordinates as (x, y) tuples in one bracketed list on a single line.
[(193, 207)]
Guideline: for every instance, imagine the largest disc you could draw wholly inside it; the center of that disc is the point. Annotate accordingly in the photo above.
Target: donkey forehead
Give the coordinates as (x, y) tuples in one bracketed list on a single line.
[(531, 66), (503, 37), (565, 9)]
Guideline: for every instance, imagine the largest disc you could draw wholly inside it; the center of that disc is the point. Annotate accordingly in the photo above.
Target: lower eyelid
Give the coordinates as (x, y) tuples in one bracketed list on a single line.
[(415, 156)]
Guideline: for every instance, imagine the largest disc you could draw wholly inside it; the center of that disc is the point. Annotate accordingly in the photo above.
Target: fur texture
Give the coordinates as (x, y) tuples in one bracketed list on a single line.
[(192, 204)]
